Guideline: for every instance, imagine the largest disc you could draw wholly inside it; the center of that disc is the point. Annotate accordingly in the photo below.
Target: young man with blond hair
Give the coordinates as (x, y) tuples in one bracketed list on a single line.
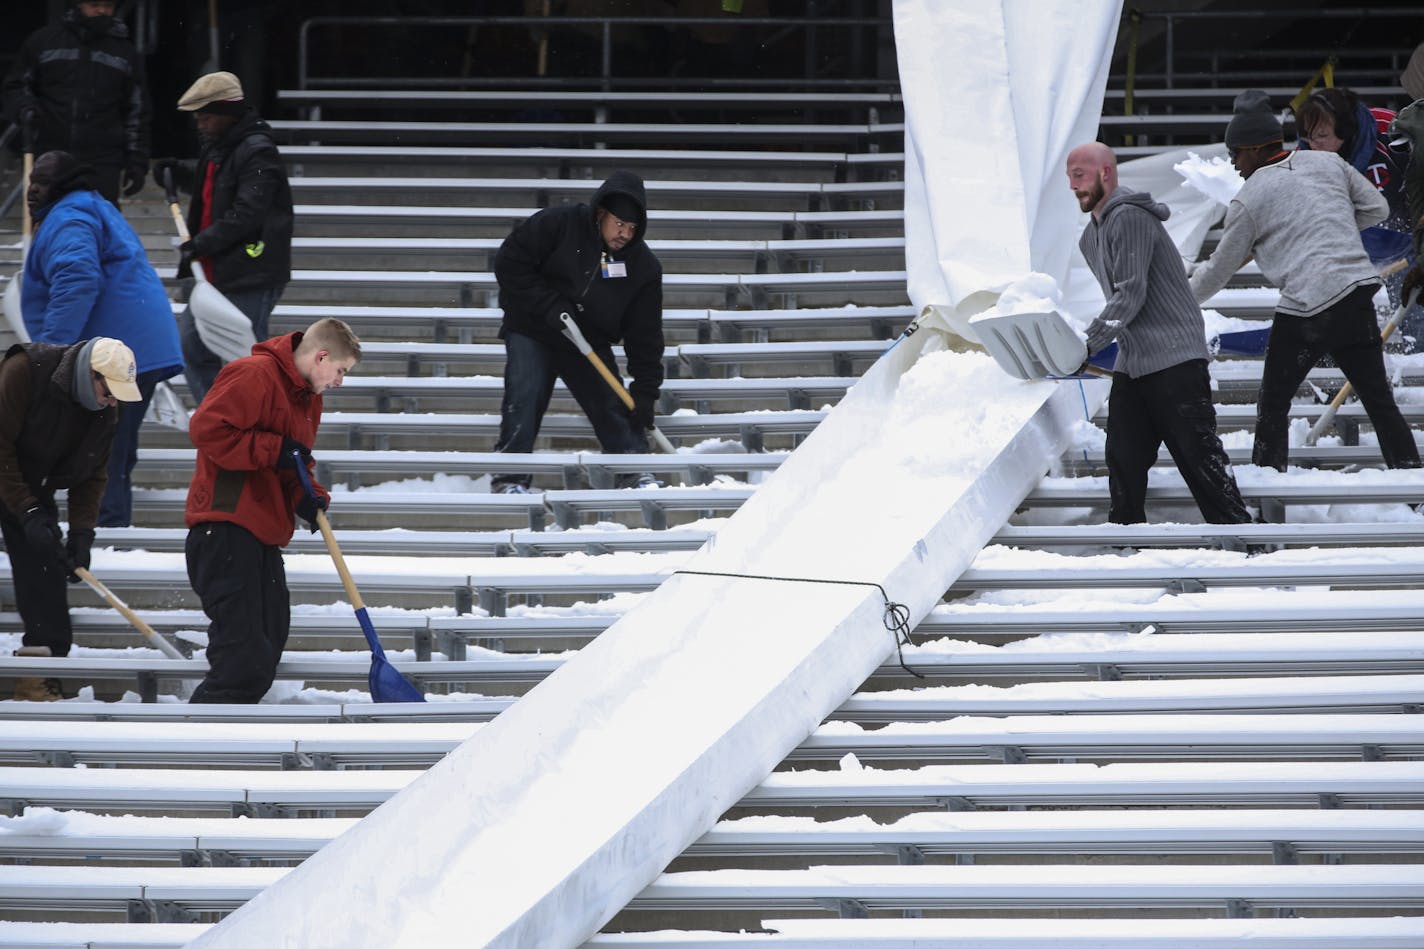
[(257, 423)]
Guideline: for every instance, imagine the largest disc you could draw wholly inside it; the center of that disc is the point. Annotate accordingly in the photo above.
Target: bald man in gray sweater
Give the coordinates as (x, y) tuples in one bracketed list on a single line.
[(1300, 214), (1161, 391)]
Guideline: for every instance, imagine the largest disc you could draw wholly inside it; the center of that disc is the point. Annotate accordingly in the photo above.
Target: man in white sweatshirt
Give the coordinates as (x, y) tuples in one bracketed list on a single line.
[(1300, 214)]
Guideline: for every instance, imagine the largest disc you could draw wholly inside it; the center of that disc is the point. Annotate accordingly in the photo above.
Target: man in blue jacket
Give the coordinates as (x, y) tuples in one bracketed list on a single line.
[(87, 275), (591, 262)]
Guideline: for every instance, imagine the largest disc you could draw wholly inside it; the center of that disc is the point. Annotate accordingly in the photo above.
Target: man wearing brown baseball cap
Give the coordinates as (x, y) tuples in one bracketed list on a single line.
[(58, 412), (244, 246)]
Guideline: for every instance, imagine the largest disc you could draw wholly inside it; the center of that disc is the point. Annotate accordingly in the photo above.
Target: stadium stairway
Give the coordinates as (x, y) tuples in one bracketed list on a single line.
[(1100, 735)]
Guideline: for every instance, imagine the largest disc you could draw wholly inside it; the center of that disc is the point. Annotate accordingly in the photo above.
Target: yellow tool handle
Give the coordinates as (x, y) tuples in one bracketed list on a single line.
[(163, 645), (351, 592)]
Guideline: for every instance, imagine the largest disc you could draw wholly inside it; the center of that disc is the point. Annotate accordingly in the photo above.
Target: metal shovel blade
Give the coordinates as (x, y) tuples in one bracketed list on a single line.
[(223, 328), (14, 315), (1031, 345)]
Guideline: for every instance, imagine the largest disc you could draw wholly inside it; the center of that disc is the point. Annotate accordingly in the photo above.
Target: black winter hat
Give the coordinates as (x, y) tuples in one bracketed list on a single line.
[(623, 207), (1253, 121)]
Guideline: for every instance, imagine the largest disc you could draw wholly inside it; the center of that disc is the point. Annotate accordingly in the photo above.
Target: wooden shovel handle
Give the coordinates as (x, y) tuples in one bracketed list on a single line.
[(164, 646)]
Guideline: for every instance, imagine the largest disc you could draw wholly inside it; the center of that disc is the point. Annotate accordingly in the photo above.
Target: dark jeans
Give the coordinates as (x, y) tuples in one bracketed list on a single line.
[(1348, 333), (200, 365), (243, 587), (530, 369), (1173, 406), (116, 508), (40, 587)]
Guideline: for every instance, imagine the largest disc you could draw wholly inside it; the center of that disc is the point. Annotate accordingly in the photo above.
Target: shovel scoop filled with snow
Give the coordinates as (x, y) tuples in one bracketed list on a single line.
[(1027, 334)]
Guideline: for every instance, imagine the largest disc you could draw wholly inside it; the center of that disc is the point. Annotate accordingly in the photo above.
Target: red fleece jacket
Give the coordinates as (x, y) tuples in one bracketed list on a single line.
[(238, 429)]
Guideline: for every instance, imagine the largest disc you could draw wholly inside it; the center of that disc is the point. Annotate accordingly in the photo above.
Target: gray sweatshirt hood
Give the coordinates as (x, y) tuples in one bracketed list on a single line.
[(1126, 196)]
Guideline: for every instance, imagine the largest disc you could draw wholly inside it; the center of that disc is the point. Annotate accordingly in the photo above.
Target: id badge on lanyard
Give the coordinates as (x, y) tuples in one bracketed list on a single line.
[(613, 268)]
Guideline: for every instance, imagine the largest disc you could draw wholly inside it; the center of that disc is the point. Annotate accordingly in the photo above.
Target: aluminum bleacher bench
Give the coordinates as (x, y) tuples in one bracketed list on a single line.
[(1235, 890), (1084, 461), (297, 130), (288, 745), (883, 322), (1226, 537), (654, 504), (146, 894), (1306, 694), (520, 99), (787, 222), (1382, 487), (1026, 832), (568, 157), (528, 508), (549, 190), (845, 357), (17, 935), (751, 428), (271, 793), (1349, 567), (968, 932), (1140, 737), (208, 841)]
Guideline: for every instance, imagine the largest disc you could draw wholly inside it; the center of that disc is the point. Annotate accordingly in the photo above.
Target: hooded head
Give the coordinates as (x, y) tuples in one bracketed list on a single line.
[(620, 210), (1412, 79), (54, 175)]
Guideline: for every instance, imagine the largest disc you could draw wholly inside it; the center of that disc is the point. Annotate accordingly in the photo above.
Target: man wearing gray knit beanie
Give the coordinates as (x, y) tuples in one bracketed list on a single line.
[(1326, 280), (1161, 391)]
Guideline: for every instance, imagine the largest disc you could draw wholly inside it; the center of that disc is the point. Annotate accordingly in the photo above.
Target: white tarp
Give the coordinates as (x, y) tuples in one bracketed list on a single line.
[(996, 94), (546, 822)]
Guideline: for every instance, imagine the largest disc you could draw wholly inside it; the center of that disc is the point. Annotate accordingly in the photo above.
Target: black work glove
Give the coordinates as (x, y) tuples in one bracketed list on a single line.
[(1413, 281), (552, 318), (286, 458), (76, 550), (42, 533), (185, 254), (642, 412), (133, 179), (28, 114), (161, 165), (307, 508)]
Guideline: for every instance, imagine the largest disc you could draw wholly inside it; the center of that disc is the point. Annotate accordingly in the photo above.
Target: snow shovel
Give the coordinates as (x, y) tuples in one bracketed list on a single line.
[(223, 328), (571, 330), (1032, 346), (163, 645), (386, 682), (14, 312), (1327, 418)]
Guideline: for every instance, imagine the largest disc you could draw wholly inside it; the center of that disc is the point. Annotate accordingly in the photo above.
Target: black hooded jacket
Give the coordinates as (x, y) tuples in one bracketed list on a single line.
[(249, 241), (552, 263), (85, 80)]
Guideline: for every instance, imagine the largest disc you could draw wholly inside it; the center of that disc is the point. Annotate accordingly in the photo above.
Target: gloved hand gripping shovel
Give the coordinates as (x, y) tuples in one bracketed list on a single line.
[(1327, 418), (155, 640), (571, 330), (222, 327), (386, 682)]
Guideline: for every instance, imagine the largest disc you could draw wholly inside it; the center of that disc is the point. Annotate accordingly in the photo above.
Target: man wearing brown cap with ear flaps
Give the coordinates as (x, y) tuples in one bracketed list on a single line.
[(240, 217), (58, 413), (1300, 214)]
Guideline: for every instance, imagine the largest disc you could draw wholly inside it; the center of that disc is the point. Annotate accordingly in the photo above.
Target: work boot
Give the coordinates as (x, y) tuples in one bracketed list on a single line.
[(33, 689)]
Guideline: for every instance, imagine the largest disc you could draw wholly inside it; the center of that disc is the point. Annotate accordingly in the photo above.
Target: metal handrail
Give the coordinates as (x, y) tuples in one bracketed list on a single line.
[(606, 24)]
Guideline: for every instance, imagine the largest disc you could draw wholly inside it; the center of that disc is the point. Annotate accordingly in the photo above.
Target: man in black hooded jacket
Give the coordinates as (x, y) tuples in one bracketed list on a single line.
[(240, 218), (591, 262), (78, 86)]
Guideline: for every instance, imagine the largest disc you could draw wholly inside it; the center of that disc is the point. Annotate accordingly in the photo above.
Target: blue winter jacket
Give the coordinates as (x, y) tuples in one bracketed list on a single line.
[(87, 275)]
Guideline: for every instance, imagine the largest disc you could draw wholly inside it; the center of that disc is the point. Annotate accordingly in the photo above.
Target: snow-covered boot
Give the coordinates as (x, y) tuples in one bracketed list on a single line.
[(37, 689)]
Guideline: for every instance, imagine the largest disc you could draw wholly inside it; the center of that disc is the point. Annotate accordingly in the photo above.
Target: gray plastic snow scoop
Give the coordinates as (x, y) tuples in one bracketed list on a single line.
[(223, 328), (1031, 345)]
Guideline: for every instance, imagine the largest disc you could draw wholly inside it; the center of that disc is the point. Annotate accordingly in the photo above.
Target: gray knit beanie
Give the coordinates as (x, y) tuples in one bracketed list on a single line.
[(1253, 121)]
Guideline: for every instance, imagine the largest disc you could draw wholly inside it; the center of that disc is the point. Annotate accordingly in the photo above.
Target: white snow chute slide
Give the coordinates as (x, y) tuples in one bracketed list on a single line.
[(545, 823)]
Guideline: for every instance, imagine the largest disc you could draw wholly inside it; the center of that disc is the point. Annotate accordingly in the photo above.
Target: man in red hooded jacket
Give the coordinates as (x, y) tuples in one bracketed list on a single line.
[(255, 426)]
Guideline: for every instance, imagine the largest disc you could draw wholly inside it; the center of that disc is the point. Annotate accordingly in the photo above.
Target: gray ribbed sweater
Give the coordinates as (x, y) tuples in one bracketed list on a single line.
[(1150, 309), (1301, 218)]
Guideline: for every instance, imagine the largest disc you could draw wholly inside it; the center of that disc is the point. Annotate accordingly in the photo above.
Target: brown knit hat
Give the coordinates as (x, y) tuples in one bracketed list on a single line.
[(1412, 79)]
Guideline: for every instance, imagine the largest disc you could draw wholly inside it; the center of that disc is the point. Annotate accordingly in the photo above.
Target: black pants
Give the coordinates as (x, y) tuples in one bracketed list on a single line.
[(243, 587), (41, 587), (1347, 332), (530, 370), (1174, 406)]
